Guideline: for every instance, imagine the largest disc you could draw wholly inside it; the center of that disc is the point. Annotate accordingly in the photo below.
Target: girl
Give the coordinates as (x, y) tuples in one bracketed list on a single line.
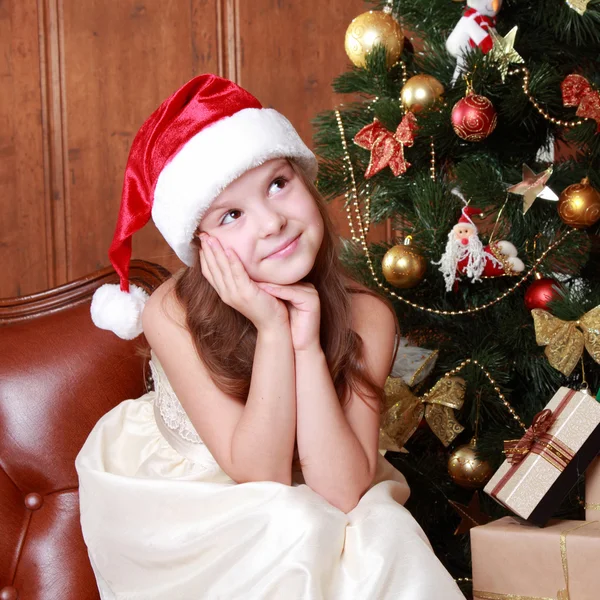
[(252, 470)]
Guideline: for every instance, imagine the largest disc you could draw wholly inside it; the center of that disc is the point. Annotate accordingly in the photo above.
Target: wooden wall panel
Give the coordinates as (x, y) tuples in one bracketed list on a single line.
[(25, 251), (290, 52), (122, 58)]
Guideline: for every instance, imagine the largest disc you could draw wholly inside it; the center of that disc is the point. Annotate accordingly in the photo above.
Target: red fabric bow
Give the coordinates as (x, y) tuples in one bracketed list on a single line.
[(517, 450), (387, 148), (577, 91)]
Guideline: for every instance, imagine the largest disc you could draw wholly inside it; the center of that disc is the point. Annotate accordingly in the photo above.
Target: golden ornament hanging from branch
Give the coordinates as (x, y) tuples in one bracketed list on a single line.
[(370, 29), (403, 266), (579, 205)]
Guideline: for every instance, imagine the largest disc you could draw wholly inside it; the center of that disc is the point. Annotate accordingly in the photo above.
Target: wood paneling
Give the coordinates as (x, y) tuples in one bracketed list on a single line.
[(79, 78), (25, 250), (122, 58)]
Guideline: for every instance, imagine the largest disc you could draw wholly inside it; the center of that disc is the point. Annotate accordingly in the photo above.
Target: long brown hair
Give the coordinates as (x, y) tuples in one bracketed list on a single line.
[(225, 340)]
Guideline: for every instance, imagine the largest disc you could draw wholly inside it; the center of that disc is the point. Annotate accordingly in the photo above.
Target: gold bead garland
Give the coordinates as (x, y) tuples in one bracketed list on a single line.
[(363, 242), (526, 77), (493, 383)]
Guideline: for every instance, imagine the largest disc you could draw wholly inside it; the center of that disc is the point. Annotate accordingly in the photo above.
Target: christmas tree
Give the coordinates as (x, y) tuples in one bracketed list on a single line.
[(474, 132)]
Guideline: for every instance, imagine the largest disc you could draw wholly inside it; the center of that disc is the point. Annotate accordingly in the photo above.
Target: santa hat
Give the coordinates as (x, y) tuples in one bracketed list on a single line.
[(199, 140), (467, 213)]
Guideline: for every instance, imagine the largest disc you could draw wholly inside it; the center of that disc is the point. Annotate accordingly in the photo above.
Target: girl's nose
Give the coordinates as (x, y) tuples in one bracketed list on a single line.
[(272, 222)]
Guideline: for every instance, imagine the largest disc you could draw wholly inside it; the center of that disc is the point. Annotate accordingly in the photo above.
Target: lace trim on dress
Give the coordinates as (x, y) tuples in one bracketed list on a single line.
[(171, 411)]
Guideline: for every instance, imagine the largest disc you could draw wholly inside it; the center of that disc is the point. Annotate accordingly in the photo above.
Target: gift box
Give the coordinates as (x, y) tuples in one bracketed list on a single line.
[(514, 559), (545, 463), (592, 491)]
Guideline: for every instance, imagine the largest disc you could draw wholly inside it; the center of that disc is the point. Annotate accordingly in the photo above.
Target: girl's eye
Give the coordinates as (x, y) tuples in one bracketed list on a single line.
[(278, 184), (234, 214)]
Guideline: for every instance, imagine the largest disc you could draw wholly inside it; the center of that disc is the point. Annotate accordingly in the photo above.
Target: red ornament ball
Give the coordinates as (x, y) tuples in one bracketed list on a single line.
[(540, 292), (474, 118)]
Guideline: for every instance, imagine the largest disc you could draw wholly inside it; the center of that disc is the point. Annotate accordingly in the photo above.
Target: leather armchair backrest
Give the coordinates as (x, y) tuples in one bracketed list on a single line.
[(58, 375)]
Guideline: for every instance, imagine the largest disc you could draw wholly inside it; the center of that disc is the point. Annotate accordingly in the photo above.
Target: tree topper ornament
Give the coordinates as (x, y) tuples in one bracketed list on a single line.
[(466, 255), (473, 30)]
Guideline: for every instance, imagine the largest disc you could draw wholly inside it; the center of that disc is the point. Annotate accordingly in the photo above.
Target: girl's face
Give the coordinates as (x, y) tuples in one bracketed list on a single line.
[(272, 222)]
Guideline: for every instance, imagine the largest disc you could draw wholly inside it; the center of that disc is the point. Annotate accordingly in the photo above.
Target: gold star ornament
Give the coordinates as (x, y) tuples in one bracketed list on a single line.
[(503, 51), (533, 186)]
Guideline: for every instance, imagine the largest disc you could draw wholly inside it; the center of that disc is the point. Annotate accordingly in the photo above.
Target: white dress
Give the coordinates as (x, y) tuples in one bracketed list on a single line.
[(162, 520)]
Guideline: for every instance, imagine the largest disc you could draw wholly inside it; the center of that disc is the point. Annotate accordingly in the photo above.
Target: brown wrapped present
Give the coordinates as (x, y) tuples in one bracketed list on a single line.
[(514, 560), (545, 463), (592, 491)]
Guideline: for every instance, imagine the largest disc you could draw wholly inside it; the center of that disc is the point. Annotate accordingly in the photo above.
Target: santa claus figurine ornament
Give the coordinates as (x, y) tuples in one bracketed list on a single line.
[(466, 255), (473, 31)]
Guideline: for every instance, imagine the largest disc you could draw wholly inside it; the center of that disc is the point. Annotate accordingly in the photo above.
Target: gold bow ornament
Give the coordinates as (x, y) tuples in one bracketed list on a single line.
[(565, 340), (387, 148), (403, 411)]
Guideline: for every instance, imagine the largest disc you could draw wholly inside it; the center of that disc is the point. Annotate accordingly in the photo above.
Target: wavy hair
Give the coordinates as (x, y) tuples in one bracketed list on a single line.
[(225, 339)]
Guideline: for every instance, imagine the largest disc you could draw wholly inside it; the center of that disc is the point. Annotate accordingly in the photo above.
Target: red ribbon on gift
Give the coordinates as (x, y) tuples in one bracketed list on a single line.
[(387, 148), (517, 450), (577, 91)]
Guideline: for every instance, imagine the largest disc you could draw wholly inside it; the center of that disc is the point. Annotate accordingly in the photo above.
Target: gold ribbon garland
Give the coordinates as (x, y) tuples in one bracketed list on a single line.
[(405, 411), (565, 340), (561, 594)]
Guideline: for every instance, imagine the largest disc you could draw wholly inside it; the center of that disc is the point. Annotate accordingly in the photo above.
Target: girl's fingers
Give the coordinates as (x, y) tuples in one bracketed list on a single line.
[(285, 292), (238, 272), (213, 267), (220, 259)]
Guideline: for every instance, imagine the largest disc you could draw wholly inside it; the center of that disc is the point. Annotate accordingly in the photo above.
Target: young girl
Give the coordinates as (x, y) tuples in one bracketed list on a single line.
[(252, 470)]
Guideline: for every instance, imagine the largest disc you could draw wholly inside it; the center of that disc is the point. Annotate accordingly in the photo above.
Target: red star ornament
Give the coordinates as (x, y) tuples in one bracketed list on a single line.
[(471, 515)]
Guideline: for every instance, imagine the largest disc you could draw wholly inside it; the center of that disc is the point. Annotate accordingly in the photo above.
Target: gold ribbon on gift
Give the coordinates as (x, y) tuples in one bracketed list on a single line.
[(403, 411), (565, 340), (561, 594)]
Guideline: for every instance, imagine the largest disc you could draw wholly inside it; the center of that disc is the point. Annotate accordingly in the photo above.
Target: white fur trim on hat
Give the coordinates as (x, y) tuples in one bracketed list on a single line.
[(118, 311), (211, 160)]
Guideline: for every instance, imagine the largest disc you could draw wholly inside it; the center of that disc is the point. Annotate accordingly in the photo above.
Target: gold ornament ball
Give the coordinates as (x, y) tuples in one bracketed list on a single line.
[(403, 266), (467, 469), (371, 28), (421, 93), (579, 205)]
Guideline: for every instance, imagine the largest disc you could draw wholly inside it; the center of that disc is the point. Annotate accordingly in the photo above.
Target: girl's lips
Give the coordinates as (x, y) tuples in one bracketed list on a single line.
[(289, 249)]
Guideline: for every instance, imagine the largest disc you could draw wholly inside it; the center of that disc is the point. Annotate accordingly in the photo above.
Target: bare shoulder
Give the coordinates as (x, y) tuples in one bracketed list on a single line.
[(376, 324), (162, 308), (370, 311)]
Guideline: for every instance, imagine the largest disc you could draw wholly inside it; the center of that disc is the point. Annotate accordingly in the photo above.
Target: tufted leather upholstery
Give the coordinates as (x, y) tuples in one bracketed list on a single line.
[(58, 375)]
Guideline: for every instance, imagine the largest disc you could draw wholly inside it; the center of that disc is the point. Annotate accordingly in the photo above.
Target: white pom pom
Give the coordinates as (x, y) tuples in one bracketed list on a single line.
[(118, 311), (507, 248), (516, 264)]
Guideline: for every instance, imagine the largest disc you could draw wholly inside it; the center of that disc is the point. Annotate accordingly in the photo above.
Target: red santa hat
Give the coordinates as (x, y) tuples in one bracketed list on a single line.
[(199, 140), (467, 213)]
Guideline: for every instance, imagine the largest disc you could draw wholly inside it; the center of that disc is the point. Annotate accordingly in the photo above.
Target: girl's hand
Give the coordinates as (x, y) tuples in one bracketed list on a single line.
[(226, 273), (304, 307)]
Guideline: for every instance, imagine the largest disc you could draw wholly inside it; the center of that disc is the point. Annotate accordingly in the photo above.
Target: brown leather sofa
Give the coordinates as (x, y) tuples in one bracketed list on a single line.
[(58, 375)]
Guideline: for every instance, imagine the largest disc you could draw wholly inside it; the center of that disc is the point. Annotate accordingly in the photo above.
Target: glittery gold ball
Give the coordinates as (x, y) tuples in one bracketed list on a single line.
[(421, 93), (467, 469), (403, 266), (579, 205), (371, 28)]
